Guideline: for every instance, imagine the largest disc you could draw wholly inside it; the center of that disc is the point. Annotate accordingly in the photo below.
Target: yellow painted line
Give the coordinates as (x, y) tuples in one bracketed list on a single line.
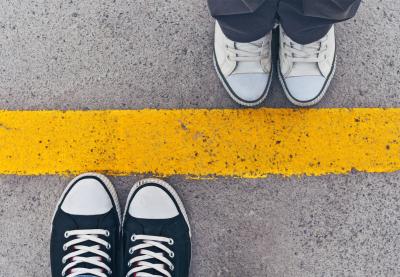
[(200, 143)]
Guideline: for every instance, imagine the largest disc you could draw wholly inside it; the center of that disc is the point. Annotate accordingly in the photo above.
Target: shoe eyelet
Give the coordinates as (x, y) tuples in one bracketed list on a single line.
[(172, 254), (66, 235), (108, 259), (107, 233), (131, 251), (171, 242), (65, 248), (63, 261), (133, 237), (129, 264), (110, 272), (172, 268), (108, 247)]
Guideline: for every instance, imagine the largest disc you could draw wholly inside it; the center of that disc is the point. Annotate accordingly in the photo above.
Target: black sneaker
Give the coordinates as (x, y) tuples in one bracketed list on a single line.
[(156, 232), (85, 229)]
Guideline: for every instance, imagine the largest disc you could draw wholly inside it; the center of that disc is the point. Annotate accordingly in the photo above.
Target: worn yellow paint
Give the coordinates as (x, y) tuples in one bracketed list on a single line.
[(200, 143)]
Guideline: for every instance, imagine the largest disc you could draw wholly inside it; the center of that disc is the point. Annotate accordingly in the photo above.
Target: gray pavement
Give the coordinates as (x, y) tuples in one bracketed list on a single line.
[(136, 54)]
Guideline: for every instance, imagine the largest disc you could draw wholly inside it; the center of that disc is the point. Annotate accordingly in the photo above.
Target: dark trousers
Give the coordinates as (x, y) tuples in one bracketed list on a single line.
[(304, 21)]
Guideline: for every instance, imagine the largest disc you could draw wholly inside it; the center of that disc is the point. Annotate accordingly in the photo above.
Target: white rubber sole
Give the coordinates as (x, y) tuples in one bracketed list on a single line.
[(108, 185), (315, 100), (234, 97)]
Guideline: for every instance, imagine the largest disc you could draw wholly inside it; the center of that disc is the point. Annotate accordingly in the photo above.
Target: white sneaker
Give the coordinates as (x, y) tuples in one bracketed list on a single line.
[(244, 69), (306, 71)]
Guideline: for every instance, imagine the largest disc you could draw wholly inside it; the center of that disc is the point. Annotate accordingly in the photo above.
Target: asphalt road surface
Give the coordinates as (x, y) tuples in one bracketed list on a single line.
[(158, 54)]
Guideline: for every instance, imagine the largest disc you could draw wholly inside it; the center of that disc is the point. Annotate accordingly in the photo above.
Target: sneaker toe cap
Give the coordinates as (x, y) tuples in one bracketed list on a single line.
[(249, 87), (87, 196), (305, 88), (152, 202)]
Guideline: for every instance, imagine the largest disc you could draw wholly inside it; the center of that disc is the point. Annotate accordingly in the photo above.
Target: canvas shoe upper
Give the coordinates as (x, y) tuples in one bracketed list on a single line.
[(85, 229), (245, 69), (156, 232), (306, 71)]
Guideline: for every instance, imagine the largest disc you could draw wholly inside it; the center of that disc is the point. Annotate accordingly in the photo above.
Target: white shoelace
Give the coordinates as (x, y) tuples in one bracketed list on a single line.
[(244, 52), (310, 53), (139, 261), (73, 259)]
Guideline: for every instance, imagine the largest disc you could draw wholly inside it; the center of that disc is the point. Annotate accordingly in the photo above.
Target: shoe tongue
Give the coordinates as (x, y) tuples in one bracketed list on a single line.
[(154, 227), (305, 69), (249, 67), (84, 223), (88, 265), (246, 45)]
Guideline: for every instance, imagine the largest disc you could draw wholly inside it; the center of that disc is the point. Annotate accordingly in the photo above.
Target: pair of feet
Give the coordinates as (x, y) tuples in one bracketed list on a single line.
[(90, 239), (246, 69)]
